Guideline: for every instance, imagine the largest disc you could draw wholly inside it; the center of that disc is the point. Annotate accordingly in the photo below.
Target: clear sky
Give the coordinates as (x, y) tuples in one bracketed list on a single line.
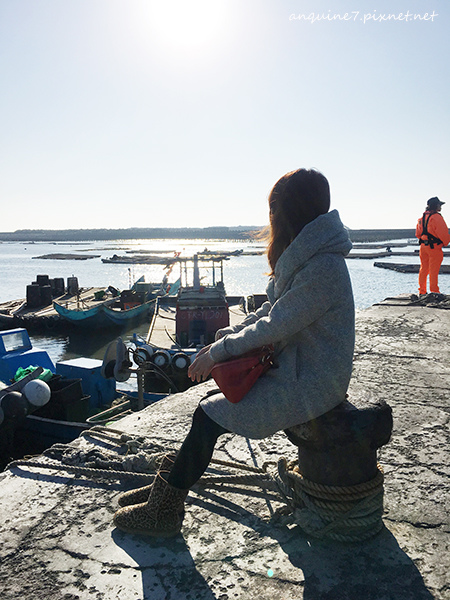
[(148, 113)]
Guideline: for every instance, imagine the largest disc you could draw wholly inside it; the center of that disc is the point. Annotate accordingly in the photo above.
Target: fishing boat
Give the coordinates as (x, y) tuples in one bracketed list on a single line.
[(180, 328), (80, 396), (36, 312), (112, 313), (50, 305)]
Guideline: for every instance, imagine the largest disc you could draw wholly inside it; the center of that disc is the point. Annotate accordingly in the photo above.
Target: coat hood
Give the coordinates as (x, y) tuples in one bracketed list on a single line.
[(326, 234)]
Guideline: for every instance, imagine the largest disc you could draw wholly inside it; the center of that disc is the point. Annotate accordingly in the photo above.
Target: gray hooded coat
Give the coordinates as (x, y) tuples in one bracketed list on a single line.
[(310, 320)]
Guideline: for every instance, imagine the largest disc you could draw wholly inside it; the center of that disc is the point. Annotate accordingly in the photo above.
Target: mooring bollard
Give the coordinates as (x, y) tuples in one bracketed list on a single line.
[(337, 483)]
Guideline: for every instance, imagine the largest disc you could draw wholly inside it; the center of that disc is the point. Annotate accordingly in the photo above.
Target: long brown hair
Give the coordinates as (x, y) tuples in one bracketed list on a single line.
[(295, 200)]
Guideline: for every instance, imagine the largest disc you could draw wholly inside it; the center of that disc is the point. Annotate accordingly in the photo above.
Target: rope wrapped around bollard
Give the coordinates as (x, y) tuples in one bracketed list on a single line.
[(341, 513)]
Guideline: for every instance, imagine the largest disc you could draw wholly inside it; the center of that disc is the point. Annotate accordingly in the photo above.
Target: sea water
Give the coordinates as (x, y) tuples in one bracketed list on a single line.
[(243, 275)]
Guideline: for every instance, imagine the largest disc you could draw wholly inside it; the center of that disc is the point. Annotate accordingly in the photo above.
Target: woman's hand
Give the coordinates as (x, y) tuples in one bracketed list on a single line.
[(202, 365)]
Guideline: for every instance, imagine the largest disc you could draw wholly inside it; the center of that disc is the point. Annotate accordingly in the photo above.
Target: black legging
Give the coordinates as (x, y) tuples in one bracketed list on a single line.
[(196, 452)]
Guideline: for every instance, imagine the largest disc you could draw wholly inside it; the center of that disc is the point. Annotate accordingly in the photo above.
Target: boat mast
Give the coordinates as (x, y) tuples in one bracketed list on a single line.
[(196, 273)]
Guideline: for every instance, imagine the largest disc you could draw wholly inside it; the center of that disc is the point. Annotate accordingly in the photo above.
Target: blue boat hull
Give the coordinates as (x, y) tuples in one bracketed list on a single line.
[(103, 316)]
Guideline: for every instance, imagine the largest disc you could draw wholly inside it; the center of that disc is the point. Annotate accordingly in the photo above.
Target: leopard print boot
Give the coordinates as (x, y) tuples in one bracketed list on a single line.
[(141, 494), (160, 516)]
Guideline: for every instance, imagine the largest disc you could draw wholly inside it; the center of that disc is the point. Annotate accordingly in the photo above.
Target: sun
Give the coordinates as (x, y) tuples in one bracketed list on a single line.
[(189, 26)]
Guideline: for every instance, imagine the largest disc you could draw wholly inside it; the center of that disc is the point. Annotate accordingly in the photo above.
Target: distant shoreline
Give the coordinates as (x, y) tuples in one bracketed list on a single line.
[(206, 233)]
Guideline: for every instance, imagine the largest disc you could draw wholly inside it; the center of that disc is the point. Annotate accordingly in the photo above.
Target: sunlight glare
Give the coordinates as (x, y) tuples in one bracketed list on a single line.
[(189, 26)]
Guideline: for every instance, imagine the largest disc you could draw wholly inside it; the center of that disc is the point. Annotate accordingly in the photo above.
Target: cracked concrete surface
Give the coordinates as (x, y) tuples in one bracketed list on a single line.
[(58, 543)]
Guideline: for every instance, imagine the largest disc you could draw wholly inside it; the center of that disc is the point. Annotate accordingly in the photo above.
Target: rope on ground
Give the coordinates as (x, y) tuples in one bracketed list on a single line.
[(133, 457), (341, 513), (88, 472)]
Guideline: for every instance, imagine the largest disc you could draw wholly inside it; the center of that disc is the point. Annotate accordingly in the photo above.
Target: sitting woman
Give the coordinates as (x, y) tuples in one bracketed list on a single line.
[(308, 318)]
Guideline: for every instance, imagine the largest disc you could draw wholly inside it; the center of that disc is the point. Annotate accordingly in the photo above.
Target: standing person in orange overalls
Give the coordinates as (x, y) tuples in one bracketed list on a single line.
[(433, 234)]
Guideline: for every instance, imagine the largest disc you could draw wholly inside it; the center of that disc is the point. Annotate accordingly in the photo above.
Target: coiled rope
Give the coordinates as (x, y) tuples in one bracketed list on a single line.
[(340, 513)]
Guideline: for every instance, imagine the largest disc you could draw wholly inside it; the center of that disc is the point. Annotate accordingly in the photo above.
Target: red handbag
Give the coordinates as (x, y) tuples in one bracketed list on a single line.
[(235, 377)]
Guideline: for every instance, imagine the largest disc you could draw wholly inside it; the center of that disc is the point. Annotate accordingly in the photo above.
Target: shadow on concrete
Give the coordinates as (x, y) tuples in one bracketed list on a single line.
[(166, 567), (374, 569), (66, 479)]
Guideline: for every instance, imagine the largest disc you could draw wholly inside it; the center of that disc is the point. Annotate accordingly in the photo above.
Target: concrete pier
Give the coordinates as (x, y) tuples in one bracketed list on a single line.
[(57, 541)]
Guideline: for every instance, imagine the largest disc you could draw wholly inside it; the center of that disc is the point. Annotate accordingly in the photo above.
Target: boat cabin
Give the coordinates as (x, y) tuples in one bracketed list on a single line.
[(17, 351), (201, 309)]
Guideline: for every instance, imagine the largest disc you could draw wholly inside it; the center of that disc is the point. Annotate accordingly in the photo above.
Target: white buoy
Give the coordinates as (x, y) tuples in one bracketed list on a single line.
[(37, 392)]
